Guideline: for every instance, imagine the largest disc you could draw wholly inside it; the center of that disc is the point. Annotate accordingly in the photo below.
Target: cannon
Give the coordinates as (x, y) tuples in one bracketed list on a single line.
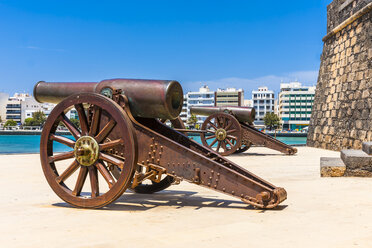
[(230, 130), (120, 143)]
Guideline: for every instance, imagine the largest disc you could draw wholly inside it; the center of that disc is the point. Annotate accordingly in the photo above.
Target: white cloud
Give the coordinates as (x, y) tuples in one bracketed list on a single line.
[(44, 49), (271, 81)]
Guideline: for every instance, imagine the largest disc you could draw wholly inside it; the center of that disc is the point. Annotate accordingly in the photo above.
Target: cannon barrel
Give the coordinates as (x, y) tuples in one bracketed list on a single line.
[(243, 114), (147, 98)]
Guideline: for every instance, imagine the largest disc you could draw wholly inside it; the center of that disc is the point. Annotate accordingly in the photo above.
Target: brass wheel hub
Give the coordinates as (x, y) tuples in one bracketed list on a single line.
[(86, 150), (221, 134)]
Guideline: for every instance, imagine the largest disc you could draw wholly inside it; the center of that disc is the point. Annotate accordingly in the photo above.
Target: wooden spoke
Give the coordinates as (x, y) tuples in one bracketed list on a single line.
[(231, 137), (105, 131), (211, 137), (61, 156), (80, 180), (218, 146), (213, 142), (95, 121), (68, 172), (82, 118), (224, 145), (70, 126), (106, 174), (93, 175), (62, 140), (228, 141), (231, 131), (214, 126), (223, 122), (112, 160), (218, 122), (111, 144), (229, 125)]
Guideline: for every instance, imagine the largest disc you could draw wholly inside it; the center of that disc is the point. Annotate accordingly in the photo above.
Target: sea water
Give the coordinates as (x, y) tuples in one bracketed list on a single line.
[(31, 143)]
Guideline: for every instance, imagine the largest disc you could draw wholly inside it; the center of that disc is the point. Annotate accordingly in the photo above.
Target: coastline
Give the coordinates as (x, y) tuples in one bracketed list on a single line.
[(38, 132), (29, 132)]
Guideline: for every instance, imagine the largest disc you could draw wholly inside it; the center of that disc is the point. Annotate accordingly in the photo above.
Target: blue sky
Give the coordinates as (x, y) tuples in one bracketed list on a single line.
[(241, 44)]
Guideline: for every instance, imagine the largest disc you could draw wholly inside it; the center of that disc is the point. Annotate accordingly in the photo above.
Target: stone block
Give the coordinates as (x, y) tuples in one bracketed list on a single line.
[(356, 160), (356, 49), (366, 93), (367, 147), (353, 41), (332, 167)]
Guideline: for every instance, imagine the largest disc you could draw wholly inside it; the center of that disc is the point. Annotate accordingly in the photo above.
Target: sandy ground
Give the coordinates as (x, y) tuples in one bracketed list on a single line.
[(319, 212)]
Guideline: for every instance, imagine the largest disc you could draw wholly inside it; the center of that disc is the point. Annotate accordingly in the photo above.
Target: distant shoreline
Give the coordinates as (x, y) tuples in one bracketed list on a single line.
[(38, 132), (29, 132)]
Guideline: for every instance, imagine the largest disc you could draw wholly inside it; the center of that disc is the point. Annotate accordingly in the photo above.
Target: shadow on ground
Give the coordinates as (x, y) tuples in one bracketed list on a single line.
[(169, 198), (248, 154)]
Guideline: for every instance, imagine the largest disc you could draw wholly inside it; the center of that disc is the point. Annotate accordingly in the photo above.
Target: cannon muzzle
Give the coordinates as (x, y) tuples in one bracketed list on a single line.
[(147, 98), (242, 114)]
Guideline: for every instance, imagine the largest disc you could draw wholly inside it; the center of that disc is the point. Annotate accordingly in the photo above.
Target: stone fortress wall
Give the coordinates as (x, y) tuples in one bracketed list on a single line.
[(342, 112)]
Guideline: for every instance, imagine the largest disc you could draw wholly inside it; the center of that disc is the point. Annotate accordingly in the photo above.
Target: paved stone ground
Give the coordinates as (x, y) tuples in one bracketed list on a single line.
[(319, 212)]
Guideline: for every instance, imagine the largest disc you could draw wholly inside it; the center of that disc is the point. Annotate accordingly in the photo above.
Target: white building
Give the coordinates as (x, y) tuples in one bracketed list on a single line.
[(3, 102), (21, 106), (13, 107), (203, 97), (263, 102), (30, 106), (229, 97), (295, 104), (183, 114)]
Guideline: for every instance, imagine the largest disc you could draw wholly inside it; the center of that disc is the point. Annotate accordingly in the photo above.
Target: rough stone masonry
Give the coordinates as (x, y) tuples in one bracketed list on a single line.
[(342, 112)]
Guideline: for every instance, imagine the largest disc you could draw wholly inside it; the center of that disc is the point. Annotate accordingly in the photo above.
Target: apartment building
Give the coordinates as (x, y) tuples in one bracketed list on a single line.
[(30, 106), (295, 104), (21, 106), (264, 102), (229, 97), (3, 102), (13, 107)]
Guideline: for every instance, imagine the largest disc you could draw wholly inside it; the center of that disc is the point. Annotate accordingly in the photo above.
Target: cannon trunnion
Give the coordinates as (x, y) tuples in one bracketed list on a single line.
[(114, 150)]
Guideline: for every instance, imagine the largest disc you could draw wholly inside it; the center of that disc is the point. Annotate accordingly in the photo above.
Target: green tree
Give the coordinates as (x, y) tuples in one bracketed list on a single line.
[(1, 120), (76, 122), (10, 123), (39, 118), (271, 120), (29, 122), (192, 120)]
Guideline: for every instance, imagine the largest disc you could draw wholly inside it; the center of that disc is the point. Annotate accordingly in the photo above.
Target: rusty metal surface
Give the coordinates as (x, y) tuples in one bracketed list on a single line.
[(243, 114), (240, 136), (136, 149), (56, 92), (226, 133), (147, 98), (190, 161), (110, 127), (259, 138)]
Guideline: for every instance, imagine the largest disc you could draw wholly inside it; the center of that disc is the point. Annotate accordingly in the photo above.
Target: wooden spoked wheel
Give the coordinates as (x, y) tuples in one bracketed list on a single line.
[(226, 133), (103, 126)]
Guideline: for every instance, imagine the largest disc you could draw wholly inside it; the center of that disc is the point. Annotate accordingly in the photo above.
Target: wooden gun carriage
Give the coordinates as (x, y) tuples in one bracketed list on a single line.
[(119, 144), (231, 130)]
